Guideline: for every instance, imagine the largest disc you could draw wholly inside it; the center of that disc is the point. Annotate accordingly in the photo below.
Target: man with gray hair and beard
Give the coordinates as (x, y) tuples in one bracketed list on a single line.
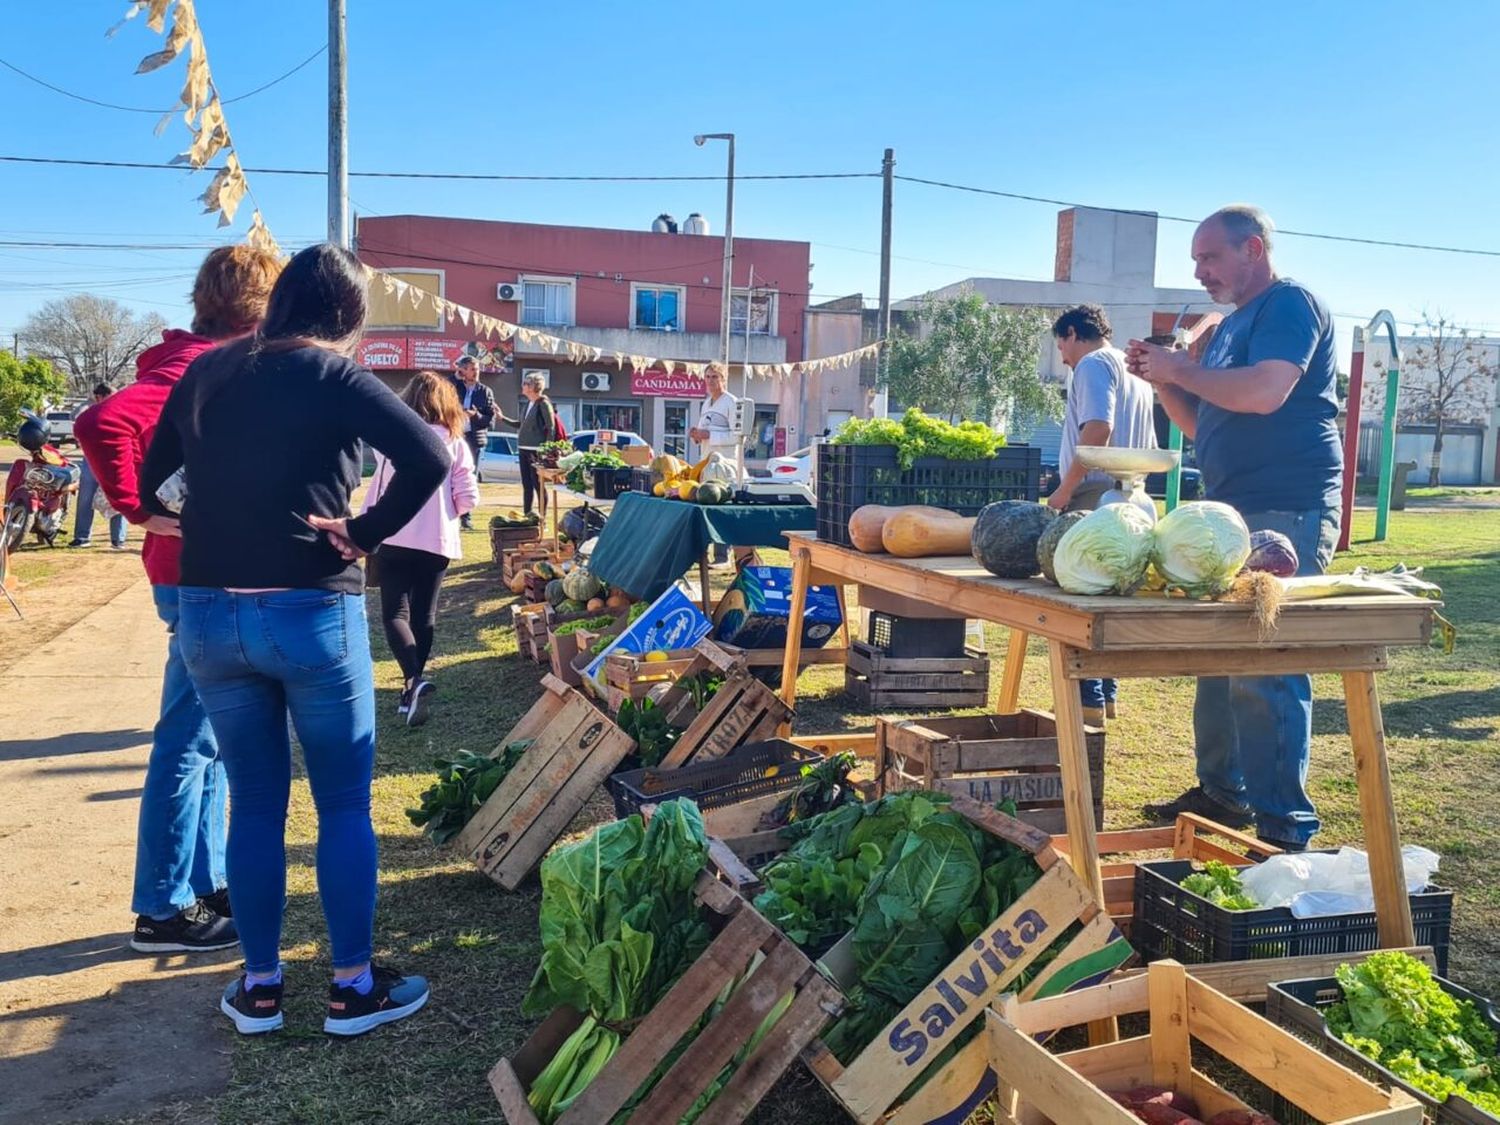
[(1262, 411)]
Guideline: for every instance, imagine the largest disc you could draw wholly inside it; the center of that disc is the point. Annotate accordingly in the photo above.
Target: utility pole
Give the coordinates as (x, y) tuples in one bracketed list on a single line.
[(338, 127), (887, 179)]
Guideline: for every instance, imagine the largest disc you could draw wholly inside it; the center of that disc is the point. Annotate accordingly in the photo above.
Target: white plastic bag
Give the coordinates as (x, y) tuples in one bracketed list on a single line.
[(1318, 884)]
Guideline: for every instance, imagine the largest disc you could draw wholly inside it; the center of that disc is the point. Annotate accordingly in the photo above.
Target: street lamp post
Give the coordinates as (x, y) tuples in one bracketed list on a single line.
[(724, 318)]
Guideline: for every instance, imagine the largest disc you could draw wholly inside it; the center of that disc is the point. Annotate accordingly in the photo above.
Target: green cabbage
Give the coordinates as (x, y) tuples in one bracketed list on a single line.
[(1106, 552), (1200, 547)]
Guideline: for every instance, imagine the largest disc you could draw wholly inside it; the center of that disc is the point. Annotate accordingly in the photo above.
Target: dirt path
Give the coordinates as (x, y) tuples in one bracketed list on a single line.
[(89, 1029)]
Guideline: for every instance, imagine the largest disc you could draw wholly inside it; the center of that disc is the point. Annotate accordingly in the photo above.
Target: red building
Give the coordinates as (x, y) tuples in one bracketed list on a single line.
[(647, 293)]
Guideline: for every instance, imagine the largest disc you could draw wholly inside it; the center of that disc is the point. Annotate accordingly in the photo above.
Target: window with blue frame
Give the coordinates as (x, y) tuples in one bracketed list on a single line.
[(659, 309)]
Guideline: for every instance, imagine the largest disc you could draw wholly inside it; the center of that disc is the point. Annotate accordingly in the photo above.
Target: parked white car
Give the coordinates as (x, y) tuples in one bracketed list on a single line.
[(794, 468), (500, 459), (59, 426)]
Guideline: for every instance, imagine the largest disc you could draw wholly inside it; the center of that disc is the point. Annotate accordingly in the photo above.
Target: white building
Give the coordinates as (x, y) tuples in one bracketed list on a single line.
[(1470, 454)]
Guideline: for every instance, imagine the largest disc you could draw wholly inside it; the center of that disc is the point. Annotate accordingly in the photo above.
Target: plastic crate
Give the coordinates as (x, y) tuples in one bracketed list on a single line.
[(1173, 922), (914, 637), (642, 480), (609, 483), (851, 476), (1298, 1006), (741, 776)]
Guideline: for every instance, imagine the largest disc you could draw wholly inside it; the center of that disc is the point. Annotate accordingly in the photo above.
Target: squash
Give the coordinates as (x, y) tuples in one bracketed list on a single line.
[(667, 467), (1046, 546), (694, 472), (866, 523), (686, 489), (718, 469), (916, 534), (712, 492), (595, 605), (517, 582), (581, 586), (1006, 534), (617, 601), (544, 569), (554, 593), (659, 488)]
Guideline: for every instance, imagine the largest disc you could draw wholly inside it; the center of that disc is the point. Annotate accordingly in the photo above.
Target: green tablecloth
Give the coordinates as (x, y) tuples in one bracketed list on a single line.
[(649, 543)]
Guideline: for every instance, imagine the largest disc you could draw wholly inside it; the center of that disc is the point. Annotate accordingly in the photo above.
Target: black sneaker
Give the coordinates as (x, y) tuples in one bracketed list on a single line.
[(254, 1011), (394, 997), (194, 930), (416, 705), (218, 902), (1195, 800)]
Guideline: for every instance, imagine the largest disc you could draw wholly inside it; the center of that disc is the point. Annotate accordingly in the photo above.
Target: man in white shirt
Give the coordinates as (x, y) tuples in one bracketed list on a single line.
[(714, 432)]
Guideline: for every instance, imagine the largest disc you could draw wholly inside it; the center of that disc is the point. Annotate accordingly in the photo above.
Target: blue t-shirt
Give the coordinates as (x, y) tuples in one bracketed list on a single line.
[(1289, 460)]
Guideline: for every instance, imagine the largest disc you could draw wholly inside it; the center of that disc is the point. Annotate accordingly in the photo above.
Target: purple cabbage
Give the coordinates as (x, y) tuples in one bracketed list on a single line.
[(1273, 553)]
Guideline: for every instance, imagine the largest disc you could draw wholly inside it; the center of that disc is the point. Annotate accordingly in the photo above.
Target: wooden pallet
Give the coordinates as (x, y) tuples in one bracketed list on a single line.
[(879, 682), (1040, 1088), (576, 747), (743, 935), (503, 539), (531, 629), (871, 1086), (992, 758), (742, 710)]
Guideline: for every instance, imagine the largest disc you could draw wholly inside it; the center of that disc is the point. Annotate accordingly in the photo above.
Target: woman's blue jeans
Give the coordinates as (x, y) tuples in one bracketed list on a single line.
[(1253, 734), (255, 659)]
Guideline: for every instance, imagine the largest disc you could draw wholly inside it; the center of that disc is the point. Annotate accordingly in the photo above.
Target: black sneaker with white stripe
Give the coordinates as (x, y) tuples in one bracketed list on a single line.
[(254, 1010), (196, 929), (394, 997)]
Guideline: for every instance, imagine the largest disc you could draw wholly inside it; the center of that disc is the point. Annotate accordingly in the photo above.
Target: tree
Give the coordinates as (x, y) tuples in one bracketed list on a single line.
[(25, 384), (90, 339), (970, 359), (1446, 379)]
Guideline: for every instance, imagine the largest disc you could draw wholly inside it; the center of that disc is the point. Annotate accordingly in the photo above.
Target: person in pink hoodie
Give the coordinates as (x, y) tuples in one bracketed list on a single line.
[(410, 564), (179, 899)]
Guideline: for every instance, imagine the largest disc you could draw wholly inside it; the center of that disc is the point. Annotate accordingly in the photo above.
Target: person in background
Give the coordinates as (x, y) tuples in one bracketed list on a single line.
[(1107, 405), (478, 407), (1262, 411), (179, 898), (538, 425), (413, 560), (88, 487), (268, 431), (714, 433)]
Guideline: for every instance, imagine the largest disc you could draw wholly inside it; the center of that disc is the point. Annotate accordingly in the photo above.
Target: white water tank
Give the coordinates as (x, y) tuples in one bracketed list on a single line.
[(696, 224), (664, 224)]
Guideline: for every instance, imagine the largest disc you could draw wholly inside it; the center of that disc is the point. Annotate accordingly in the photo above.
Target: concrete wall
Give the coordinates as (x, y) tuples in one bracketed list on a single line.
[(832, 329), (1414, 438)]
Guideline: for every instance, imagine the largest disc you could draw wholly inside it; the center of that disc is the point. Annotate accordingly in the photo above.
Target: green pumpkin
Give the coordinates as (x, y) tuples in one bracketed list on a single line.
[(1006, 534), (1046, 546), (713, 492), (555, 594)]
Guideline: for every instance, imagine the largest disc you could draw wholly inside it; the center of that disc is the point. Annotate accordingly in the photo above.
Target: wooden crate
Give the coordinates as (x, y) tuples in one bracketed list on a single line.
[(576, 747), (521, 558), (629, 675), (871, 1086), (742, 710), (1040, 1088), (881, 683), (743, 935), (531, 630), (503, 539), (561, 650), (992, 758)]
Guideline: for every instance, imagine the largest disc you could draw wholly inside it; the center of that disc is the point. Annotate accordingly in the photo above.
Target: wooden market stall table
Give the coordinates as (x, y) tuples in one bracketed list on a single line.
[(650, 542), (1089, 637), (552, 487)]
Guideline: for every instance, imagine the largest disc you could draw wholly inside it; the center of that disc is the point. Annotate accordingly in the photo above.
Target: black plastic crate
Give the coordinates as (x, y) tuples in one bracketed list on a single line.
[(913, 637), (851, 476), (1298, 1006), (641, 480), (741, 776), (1173, 922), (609, 483)]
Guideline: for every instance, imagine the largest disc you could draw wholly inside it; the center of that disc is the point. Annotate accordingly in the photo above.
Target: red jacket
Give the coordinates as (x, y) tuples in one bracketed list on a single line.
[(115, 434)]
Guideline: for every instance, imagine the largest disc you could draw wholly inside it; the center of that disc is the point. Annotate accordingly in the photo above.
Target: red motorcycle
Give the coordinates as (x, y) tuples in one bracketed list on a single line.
[(37, 489)]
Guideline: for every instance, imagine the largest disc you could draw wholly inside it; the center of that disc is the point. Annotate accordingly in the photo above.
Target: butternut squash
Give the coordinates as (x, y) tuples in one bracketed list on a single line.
[(868, 522), (915, 533), (517, 582)]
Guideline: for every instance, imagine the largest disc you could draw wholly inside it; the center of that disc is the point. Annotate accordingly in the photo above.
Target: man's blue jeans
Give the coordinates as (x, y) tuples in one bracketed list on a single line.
[(1253, 734), (1096, 693), (179, 849), (83, 519), (256, 658)]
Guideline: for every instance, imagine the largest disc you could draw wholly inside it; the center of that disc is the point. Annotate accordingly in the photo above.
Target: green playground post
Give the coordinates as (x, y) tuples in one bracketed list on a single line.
[(1174, 474), (1388, 428)]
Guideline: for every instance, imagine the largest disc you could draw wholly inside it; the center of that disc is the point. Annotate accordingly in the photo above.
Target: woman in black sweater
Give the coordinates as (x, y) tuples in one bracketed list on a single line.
[(268, 433)]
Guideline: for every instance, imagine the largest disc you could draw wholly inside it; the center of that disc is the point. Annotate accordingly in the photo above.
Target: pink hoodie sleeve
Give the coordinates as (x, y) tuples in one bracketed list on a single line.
[(377, 482), (462, 480)]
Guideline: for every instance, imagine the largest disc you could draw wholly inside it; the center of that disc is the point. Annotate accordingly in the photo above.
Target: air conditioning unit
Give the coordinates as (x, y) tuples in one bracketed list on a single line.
[(596, 381), (508, 291)]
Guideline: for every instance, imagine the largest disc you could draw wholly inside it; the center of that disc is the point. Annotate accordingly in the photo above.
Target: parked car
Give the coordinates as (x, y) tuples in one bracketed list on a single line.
[(584, 440), (794, 468), (500, 459), (59, 426)]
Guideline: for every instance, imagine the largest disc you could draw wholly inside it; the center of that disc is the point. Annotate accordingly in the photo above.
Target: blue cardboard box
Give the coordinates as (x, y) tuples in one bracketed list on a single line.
[(671, 622), (753, 613)]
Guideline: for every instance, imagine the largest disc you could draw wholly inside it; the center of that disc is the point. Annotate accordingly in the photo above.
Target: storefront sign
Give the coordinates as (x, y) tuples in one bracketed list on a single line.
[(440, 353), (677, 385), (383, 352)]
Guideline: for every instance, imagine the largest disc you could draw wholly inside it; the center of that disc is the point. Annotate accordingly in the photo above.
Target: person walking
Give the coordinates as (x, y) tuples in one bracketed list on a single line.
[(478, 407), (268, 432), (88, 488), (179, 898), (1106, 406), (1262, 411), (538, 425), (413, 560), (714, 433)]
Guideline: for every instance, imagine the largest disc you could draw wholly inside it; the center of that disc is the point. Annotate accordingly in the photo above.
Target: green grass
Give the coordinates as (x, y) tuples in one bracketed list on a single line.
[(479, 946)]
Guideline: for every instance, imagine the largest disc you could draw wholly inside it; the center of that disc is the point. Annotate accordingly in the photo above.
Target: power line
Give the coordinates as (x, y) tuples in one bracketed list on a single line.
[(157, 112), (1183, 219)]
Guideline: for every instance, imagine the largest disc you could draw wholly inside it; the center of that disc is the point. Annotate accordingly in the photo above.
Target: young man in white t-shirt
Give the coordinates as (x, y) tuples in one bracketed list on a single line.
[(714, 432)]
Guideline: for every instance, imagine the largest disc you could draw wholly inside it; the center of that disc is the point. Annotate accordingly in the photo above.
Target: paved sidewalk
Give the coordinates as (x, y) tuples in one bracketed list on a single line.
[(89, 1029)]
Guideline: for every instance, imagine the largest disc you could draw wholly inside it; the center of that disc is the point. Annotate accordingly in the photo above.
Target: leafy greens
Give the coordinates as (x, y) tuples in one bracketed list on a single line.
[(464, 782), (1220, 884)]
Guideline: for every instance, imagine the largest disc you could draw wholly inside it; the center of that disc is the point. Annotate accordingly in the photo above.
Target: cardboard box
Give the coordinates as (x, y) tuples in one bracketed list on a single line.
[(753, 612), (671, 622)]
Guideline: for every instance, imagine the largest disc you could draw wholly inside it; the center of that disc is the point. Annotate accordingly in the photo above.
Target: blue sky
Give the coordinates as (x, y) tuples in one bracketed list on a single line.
[(1365, 119)]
